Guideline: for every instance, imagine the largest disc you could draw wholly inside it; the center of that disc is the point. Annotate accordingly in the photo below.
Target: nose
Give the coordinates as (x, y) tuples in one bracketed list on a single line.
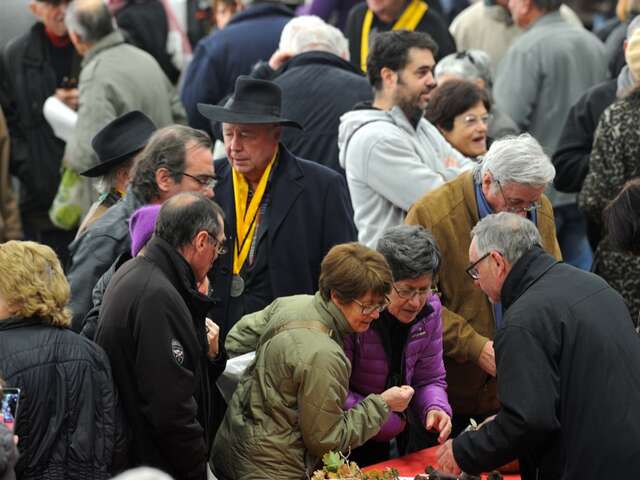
[(375, 314), (429, 80), (415, 301), (235, 142), (209, 193)]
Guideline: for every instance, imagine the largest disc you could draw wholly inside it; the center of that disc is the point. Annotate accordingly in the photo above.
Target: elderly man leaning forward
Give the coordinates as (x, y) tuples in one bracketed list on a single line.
[(289, 408), (567, 358), (511, 178), (282, 213), (163, 351)]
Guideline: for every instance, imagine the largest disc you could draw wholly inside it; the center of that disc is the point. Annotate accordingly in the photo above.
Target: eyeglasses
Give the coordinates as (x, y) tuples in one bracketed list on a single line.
[(472, 120), (472, 269), (411, 293), (369, 309), (220, 248), (512, 206), (207, 181)]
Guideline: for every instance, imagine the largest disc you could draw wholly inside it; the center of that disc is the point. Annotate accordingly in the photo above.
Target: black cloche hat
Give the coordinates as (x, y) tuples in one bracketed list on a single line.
[(253, 101), (119, 140)]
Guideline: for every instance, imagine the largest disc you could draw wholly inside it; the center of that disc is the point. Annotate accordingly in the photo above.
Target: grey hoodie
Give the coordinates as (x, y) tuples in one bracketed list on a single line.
[(390, 165)]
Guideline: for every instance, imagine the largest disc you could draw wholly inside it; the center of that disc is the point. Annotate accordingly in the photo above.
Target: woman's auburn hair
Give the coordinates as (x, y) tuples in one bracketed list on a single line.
[(350, 270), (32, 282)]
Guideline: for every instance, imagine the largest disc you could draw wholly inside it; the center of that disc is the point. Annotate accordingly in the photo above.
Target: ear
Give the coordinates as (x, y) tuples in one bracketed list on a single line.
[(201, 240), (389, 77), (480, 83), (334, 298), (165, 181), (277, 133), (35, 9)]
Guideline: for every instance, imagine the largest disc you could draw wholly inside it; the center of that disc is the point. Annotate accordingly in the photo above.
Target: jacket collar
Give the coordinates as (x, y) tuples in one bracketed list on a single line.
[(524, 273), (547, 19), (319, 58), (284, 189), (332, 317), (260, 10), (111, 40), (12, 323), (36, 50), (178, 272)]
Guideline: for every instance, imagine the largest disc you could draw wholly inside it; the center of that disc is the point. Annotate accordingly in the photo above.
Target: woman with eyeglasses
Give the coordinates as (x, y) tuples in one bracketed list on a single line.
[(288, 409), (460, 110), (404, 346)]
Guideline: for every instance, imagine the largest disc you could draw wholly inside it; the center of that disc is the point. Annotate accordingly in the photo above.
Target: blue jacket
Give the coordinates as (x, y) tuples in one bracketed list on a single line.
[(219, 59)]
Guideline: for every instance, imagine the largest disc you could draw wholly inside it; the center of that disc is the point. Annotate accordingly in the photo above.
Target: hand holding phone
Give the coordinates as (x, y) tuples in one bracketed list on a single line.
[(9, 412)]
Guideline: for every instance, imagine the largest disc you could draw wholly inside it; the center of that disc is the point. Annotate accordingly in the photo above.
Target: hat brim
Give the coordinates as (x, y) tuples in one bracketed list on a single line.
[(221, 114), (104, 167)]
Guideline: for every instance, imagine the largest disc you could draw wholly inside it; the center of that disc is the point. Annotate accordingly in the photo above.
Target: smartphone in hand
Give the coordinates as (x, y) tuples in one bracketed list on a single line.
[(9, 412)]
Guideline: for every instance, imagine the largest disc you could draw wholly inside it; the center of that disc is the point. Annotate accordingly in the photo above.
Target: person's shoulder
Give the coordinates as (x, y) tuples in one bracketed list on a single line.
[(441, 202)]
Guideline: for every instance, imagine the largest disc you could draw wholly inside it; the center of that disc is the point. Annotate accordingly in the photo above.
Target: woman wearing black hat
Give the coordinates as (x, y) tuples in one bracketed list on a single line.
[(117, 146)]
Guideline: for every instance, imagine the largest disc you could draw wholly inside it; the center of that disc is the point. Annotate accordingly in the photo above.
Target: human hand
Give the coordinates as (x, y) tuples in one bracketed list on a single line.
[(69, 96), (440, 421), (398, 398), (487, 359), (446, 461), (278, 58), (213, 336)]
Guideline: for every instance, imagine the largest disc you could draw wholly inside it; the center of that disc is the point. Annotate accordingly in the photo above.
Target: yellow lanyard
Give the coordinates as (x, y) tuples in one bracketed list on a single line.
[(246, 218), (409, 20)]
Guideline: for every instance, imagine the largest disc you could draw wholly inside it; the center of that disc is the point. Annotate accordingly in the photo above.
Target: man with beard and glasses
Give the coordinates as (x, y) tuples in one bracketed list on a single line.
[(391, 154)]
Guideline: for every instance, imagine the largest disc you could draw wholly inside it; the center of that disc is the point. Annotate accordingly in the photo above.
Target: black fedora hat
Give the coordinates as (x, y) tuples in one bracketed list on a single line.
[(119, 140), (253, 101)]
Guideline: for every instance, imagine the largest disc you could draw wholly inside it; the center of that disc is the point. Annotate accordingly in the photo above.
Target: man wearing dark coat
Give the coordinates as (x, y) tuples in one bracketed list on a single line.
[(282, 213), (318, 85), (566, 358), (164, 352), (251, 35), (373, 16), (35, 66)]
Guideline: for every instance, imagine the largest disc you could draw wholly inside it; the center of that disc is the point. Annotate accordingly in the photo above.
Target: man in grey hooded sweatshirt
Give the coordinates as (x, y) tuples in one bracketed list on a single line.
[(392, 155)]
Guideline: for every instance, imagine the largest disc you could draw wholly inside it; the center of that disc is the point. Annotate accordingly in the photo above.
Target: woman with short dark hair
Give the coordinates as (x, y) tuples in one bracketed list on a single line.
[(404, 346), (460, 110)]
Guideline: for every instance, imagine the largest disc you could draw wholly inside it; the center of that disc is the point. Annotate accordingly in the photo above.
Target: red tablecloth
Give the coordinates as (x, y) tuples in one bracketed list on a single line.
[(415, 463)]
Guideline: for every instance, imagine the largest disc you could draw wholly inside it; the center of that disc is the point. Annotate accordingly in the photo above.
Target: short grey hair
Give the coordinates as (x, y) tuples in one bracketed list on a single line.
[(308, 32), (468, 65), (517, 159), (507, 233), (410, 250), (143, 473), (90, 20)]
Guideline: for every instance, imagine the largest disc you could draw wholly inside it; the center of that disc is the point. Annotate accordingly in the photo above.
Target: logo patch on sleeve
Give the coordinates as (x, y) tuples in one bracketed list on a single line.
[(178, 351)]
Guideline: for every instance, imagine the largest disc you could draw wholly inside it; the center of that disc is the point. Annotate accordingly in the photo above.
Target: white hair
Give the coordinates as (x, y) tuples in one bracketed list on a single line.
[(517, 159), (507, 233), (309, 32), (468, 65), (90, 20), (143, 473)]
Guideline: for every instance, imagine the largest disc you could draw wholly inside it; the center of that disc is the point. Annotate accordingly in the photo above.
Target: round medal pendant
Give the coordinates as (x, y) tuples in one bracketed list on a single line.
[(237, 286)]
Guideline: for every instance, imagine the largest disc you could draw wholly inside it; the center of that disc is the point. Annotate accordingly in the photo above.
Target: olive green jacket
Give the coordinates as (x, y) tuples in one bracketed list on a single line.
[(450, 212), (287, 410)]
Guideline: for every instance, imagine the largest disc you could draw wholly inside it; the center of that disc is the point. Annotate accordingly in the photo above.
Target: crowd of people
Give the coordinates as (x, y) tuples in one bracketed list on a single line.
[(412, 216)]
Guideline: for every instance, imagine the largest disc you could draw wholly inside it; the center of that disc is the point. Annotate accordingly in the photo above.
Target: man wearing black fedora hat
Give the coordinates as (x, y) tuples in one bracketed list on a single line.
[(116, 145), (282, 213)]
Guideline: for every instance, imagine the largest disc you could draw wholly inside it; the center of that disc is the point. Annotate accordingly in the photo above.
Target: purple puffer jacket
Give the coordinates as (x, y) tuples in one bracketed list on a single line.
[(423, 367)]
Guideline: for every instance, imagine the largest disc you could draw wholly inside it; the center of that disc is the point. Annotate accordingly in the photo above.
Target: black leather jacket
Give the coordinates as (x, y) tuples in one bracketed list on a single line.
[(68, 420)]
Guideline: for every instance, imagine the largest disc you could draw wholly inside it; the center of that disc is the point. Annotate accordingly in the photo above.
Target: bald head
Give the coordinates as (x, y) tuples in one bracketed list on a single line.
[(89, 20)]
